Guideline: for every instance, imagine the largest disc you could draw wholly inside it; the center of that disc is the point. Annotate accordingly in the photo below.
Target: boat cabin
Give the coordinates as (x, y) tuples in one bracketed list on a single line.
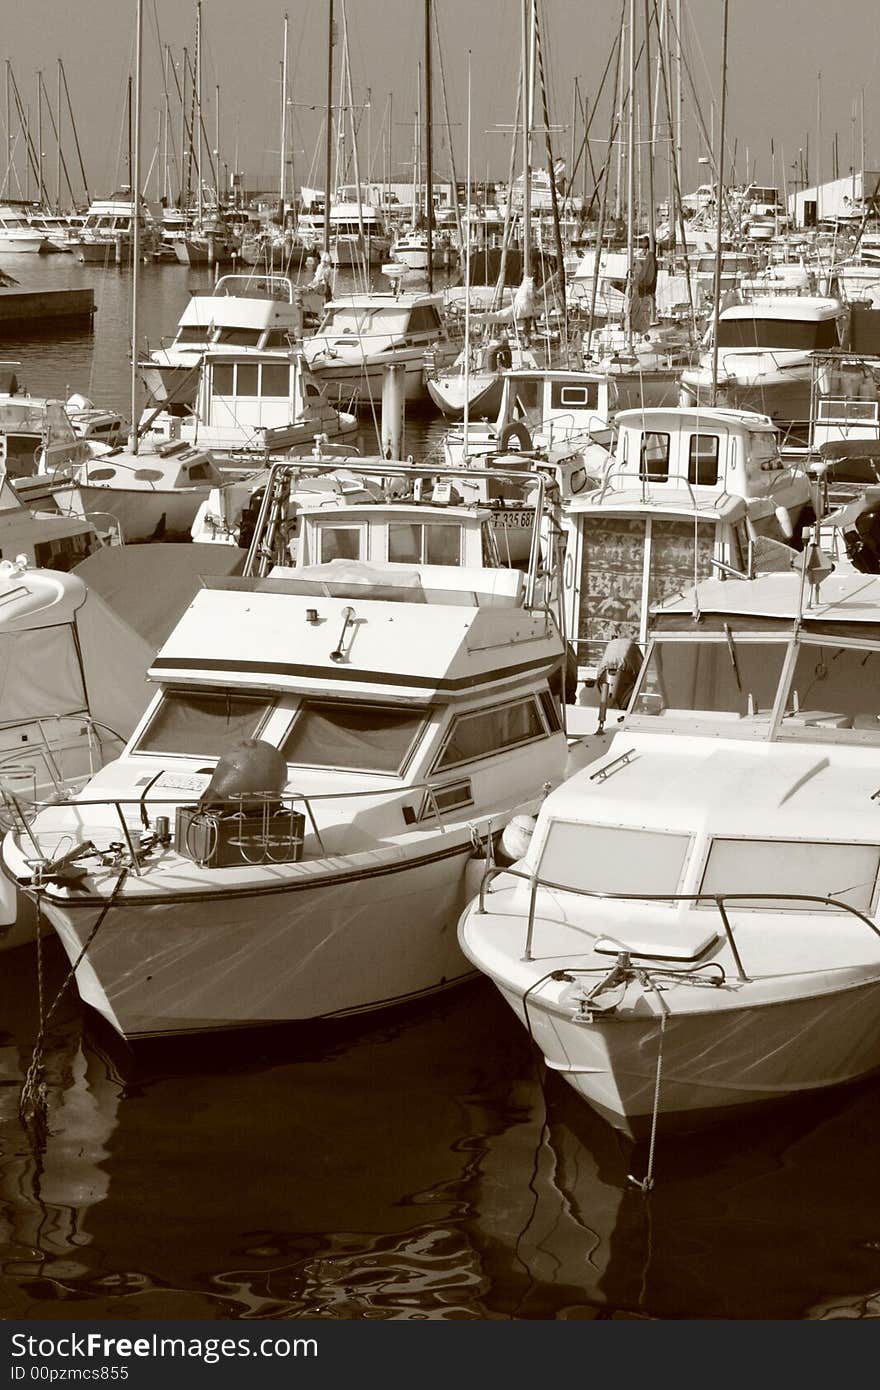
[(545, 410), (769, 658), (401, 533), (379, 322), (688, 493), (38, 434)]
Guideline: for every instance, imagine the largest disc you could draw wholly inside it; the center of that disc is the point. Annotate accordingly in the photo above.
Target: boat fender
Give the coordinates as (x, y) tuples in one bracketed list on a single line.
[(514, 430), (515, 838), (474, 870)]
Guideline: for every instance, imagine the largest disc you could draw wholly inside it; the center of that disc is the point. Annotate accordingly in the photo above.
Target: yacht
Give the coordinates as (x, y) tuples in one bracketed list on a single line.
[(17, 236), (361, 334), (253, 403), (693, 927), (764, 355), (357, 235), (299, 807), (106, 235), (242, 314)]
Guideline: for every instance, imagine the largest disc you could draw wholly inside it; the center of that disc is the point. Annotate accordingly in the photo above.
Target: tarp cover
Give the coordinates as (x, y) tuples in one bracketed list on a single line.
[(151, 586), (39, 674)]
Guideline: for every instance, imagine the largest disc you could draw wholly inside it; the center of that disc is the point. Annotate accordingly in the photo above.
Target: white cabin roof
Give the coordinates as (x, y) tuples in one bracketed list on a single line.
[(842, 598), (802, 307), (288, 640)]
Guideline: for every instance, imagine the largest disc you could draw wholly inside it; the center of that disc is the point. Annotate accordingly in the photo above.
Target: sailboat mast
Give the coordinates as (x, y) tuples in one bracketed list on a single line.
[(198, 120), (136, 225), (526, 109), (716, 308), (328, 144), (429, 154), (282, 176), (630, 176)]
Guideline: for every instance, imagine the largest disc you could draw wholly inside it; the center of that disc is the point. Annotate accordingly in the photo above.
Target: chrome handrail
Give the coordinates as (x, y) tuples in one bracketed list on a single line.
[(117, 805), (720, 900)]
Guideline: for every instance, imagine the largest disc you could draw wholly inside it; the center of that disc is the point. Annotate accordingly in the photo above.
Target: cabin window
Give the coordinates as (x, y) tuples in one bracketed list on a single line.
[(339, 543), (411, 543), (551, 712), (222, 382), (65, 553), (449, 798), (275, 380), (423, 319), (198, 471), (527, 402), (191, 333), (238, 337), (276, 338), (246, 379), (787, 868), (574, 397), (487, 731), (607, 859), (654, 459), (202, 723), (312, 389), (803, 335), (355, 736), (147, 475), (703, 460), (732, 676), (833, 689)]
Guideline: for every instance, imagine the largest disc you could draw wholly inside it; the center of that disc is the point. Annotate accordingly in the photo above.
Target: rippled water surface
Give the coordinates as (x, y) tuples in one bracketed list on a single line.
[(413, 1165)]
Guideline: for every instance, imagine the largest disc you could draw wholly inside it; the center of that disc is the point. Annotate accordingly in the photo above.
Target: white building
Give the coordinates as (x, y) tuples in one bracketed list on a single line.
[(839, 198)]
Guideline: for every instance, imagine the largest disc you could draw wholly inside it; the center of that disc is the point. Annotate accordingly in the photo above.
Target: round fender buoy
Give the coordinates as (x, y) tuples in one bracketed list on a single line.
[(515, 837)]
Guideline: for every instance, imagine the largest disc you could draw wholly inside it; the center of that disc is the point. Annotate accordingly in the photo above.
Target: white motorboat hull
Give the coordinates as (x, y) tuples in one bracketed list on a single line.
[(362, 380), (140, 511), (26, 244), (483, 395), (780, 389), (711, 1062), (363, 932)]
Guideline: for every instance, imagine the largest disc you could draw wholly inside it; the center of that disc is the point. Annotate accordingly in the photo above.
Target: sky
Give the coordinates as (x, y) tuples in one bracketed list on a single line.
[(796, 69)]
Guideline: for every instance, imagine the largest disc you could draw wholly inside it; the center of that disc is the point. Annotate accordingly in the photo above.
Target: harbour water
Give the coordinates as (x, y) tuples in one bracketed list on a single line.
[(410, 1165)]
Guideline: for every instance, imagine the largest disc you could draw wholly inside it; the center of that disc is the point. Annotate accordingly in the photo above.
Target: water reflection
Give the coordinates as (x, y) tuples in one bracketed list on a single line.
[(409, 1168)]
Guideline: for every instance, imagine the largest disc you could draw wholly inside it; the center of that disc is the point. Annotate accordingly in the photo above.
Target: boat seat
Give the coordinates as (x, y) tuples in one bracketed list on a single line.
[(676, 942)]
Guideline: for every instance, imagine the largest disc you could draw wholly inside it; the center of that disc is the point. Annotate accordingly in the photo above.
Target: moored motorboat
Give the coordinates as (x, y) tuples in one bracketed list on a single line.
[(408, 703), (693, 927)]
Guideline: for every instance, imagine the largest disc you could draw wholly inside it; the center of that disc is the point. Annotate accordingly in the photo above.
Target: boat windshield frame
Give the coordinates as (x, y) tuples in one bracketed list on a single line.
[(788, 716)]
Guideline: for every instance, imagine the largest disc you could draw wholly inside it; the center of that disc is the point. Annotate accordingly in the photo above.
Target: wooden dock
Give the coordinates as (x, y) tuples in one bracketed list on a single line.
[(36, 311)]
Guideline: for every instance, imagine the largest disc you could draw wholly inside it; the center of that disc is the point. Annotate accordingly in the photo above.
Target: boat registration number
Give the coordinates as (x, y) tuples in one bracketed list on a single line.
[(515, 518)]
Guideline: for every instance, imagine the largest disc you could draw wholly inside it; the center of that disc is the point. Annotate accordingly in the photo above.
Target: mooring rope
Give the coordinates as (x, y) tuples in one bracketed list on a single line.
[(32, 1105)]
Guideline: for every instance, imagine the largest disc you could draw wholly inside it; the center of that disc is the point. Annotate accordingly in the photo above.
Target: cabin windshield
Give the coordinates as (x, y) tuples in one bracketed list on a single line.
[(805, 335), (355, 736), (350, 319), (202, 723), (833, 690), (729, 675)]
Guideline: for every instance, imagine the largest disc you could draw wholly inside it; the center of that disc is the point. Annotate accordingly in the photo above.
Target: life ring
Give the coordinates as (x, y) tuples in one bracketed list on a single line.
[(514, 429)]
